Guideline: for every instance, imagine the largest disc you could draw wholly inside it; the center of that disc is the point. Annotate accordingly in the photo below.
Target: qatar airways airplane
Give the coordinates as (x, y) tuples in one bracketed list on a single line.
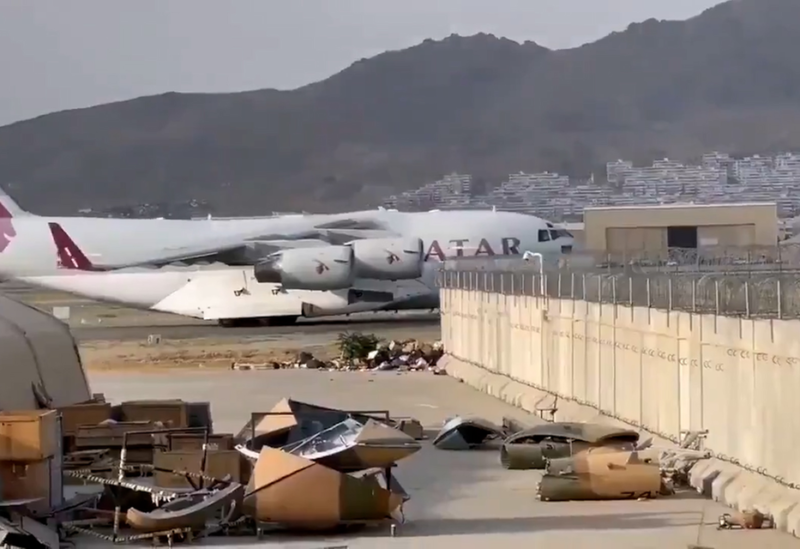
[(314, 265)]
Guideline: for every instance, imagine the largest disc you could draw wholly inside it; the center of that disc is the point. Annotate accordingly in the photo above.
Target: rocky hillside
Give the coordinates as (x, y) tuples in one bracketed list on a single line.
[(727, 79)]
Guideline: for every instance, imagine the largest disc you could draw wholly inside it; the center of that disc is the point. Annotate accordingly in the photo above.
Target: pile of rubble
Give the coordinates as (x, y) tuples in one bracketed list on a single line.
[(156, 469), (359, 352)]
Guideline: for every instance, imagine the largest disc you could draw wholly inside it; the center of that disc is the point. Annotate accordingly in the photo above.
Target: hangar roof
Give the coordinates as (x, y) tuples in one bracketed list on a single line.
[(681, 206)]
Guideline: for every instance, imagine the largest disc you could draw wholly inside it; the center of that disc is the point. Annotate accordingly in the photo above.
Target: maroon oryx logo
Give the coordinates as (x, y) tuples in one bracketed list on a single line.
[(321, 267), (7, 231)]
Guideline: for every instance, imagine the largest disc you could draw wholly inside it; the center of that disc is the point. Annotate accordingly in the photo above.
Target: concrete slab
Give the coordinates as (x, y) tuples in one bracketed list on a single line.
[(458, 498)]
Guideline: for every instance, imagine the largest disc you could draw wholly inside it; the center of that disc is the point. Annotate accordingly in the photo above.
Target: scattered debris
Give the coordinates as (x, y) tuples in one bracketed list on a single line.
[(531, 448), (466, 433), (600, 473), (282, 484), (363, 352), (748, 520)]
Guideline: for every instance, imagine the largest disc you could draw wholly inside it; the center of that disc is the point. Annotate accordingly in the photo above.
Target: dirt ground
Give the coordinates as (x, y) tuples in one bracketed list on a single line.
[(195, 353)]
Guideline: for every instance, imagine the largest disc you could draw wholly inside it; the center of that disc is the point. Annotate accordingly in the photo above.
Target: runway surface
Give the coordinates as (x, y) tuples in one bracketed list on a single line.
[(458, 499), (212, 330)]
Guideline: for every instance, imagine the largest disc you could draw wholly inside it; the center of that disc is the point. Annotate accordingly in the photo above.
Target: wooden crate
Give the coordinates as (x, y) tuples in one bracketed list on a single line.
[(38, 479), (77, 415), (194, 441), (172, 413), (219, 463), (31, 435), (110, 435)]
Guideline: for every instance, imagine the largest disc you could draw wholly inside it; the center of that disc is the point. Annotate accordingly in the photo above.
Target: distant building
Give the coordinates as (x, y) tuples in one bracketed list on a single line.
[(718, 179)]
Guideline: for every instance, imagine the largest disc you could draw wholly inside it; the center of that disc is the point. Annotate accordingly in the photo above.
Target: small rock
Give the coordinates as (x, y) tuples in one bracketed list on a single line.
[(410, 346), (303, 357), (314, 364)]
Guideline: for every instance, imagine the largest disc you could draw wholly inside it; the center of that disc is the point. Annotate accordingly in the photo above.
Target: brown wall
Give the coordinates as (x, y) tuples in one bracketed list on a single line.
[(645, 228)]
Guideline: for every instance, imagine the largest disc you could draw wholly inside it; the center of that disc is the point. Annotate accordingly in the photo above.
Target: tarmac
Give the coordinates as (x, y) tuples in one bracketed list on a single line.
[(458, 498)]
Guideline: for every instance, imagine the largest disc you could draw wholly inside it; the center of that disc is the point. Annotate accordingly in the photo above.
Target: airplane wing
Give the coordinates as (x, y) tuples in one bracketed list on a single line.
[(239, 249)]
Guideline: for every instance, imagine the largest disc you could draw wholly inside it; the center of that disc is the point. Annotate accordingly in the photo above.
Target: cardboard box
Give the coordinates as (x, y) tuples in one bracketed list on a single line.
[(73, 417), (29, 435), (172, 413), (219, 463)]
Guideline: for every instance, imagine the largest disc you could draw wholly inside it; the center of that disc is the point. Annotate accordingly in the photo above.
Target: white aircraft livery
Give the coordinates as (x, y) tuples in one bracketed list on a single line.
[(311, 265)]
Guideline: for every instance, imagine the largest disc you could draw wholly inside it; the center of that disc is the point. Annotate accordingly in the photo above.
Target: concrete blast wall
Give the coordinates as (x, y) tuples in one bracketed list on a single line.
[(666, 371)]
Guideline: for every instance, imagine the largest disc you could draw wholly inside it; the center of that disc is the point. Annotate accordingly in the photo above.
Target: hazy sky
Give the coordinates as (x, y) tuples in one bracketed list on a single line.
[(60, 54)]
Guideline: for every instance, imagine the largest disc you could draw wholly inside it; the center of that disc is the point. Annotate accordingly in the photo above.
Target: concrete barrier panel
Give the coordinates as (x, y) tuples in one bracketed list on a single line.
[(665, 371)]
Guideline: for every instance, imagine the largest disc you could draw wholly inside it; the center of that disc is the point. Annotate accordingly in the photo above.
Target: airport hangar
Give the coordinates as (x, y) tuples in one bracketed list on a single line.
[(654, 229)]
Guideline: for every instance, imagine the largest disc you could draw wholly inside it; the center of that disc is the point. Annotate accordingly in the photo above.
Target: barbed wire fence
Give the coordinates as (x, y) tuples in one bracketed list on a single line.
[(753, 288)]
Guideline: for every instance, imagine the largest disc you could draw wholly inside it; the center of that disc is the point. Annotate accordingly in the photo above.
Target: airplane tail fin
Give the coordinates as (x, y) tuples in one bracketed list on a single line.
[(9, 207), (70, 255)]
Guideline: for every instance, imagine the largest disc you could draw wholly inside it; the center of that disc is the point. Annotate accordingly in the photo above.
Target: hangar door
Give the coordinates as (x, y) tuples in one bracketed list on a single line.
[(726, 235), (636, 240)]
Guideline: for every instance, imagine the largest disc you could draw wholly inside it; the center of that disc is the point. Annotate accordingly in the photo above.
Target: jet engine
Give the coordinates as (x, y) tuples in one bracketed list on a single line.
[(321, 268), (388, 258)]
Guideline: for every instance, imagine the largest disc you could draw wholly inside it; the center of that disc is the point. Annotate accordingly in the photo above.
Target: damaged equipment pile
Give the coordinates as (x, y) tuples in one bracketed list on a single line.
[(156, 469), (364, 352), (580, 461)]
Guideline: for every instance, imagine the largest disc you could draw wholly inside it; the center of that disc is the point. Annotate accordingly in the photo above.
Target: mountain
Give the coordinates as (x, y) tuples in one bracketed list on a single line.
[(724, 80)]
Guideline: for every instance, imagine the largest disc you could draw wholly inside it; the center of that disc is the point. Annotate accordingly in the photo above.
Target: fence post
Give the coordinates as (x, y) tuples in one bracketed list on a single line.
[(716, 296), (630, 291), (694, 295), (584, 286), (648, 291), (572, 285), (502, 283), (747, 299), (669, 294), (614, 290), (599, 289), (780, 299), (559, 284), (485, 282)]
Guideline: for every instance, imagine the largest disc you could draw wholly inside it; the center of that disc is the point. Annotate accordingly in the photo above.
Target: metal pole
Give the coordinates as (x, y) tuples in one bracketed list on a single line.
[(780, 299), (572, 285), (694, 295), (648, 292), (669, 294), (716, 296), (747, 299), (599, 289), (630, 291)]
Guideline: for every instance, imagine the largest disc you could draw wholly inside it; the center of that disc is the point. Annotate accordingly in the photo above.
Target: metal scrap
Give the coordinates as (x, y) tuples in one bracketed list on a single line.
[(532, 448), (461, 433)]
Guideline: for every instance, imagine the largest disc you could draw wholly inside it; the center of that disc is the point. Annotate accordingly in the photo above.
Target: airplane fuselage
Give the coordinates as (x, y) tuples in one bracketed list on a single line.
[(216, 292)]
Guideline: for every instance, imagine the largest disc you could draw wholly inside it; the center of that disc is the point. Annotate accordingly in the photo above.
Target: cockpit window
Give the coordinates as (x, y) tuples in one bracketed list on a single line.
[(544, 235), (561, 233)]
